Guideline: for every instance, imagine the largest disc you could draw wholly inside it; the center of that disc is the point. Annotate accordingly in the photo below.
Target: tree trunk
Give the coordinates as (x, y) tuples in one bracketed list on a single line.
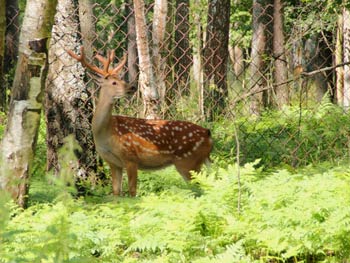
[(319, 54), (237, 60), (133, 69), (346, 58), (339, 92), (68, 103), (2, 55), (158, 32), (18, 144), (198, 74), (216, 55), (87, 26), (280, 63), (261, 44), (182, 54), (236, 51), (87, 22), (146, 78)]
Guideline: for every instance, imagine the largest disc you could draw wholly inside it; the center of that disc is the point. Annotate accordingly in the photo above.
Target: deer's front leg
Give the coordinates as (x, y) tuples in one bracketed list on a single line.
[(131, 170), (117, 178)]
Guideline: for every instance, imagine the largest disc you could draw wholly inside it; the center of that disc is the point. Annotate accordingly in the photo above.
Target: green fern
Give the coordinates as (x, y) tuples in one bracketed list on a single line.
[(233, 253)]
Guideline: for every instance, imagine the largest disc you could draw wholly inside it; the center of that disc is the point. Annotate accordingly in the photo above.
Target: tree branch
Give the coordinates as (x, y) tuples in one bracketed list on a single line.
[(307, 74), (311, 73)]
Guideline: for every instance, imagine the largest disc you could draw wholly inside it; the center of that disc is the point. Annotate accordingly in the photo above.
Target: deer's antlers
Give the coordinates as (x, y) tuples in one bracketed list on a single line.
[(105, 71)]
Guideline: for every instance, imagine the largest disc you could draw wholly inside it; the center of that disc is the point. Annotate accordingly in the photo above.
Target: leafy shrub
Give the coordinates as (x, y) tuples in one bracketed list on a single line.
[(291, 137), (284, 216), (299, 215)]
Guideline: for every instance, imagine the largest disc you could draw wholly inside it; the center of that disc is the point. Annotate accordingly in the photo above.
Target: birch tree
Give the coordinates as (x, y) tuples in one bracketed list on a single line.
[(342, 55), (147, 82), (197, 43), (158, 32), (338, 57), (260, 51), (237, 60), (346, 58), (280, 63), (2, 54), (68, 103), (19, 141)]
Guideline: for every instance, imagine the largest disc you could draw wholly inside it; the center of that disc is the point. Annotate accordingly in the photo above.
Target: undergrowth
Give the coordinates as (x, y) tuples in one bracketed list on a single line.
[(284, 217), (293, 213), (291, 137)]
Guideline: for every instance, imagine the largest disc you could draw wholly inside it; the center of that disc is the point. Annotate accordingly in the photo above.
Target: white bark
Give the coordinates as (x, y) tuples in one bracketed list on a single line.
[(159, 26), (146, 78), (159, 20), (280, 65), (236, 56), (66, 91), (338, 60), (346, 58), (65, 74), (2, 54), (18, 144), (198, 74)]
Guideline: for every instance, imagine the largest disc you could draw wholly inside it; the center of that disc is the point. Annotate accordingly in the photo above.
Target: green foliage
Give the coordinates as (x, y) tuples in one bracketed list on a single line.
[(284, 216), (159, 181), (110, 26), (241, 19), (2, 123), (39, 165), (301, 216), (292, 137), (312, 16)]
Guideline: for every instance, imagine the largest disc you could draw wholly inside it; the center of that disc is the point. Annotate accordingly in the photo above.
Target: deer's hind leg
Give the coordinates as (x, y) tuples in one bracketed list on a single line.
[(184, 167), (117, 179), (131, 170)]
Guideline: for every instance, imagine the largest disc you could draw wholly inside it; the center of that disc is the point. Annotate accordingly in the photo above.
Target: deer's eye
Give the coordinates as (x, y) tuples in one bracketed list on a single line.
[(114, 83)]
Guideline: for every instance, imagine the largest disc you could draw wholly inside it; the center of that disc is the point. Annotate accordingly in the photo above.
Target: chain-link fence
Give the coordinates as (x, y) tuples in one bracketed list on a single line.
[(245, 64)]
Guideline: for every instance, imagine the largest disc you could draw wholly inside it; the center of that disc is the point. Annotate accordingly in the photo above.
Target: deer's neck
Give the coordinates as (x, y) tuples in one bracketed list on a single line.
[(101, 121)]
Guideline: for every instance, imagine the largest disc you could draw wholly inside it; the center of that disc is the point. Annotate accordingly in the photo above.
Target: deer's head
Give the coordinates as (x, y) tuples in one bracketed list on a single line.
[(109, 78)]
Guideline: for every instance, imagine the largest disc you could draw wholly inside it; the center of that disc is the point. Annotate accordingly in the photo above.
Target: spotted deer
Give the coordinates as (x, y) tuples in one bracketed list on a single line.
[(134, 143)]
